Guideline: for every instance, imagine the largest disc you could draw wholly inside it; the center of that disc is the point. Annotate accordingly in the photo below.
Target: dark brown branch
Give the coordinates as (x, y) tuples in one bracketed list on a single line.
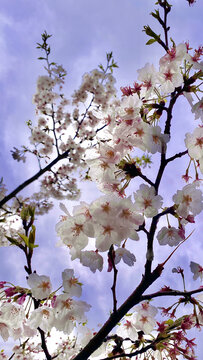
[(43, 344), (150, 237), (138, 352), (131, 301), (186, 294), (167, 9), (33, 178), (21, 345), (111, 255), (149, 276), (146, 179), (178, 155), (28, 269), (174, 96)]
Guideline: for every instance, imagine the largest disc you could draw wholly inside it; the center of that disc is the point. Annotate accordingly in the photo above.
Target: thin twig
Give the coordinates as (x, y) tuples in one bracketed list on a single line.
[(111, 255), (130, 355), (178, 155), (131, 301), (186, 294)]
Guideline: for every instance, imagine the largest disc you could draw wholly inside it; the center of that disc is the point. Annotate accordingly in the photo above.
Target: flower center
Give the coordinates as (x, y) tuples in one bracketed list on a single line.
[(199, 142), (187, 199), (107, 230), (147, 202), (77, 229), (44, 285)]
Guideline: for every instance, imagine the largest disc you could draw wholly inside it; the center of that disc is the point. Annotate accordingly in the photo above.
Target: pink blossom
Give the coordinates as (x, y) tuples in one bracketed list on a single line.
[(21, 299), (10, 291)]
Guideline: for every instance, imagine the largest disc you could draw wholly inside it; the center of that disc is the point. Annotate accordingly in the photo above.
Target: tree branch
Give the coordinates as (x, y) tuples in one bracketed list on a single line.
[(138, 352), (111, 255), (131, 301), (186, 294), (33, 178), (150, 237), (178, 155), (43, 344)]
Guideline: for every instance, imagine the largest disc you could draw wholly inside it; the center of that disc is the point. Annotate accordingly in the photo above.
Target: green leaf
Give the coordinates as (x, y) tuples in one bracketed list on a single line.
[(31, 210), (114, 65), (32, 246), (41, 58), (173, 42), (13, 241), (151, 33), (25, 239), (101, 67), (32, 238), (32, 235), (109, 56), (156, 14), (151, 41), (169, 322)]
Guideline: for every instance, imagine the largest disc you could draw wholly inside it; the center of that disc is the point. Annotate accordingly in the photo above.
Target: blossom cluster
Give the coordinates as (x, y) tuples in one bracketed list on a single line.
[(101, 135), (50, 310), (132, 121), (110, 220)]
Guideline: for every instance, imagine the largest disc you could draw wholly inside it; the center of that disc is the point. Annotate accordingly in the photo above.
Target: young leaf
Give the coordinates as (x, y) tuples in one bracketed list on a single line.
[(12, 240), (25, 239), (151, 41)]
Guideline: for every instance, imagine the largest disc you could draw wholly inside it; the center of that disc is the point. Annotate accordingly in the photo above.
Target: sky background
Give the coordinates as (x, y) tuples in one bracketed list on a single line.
[(83, 31)]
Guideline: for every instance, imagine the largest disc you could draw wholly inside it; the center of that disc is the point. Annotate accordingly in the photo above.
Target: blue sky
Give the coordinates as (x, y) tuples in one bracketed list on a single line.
[(83, 31)]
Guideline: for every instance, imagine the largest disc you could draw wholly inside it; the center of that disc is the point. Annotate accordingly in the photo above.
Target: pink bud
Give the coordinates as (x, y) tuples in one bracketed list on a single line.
[(190, 219), (21, 299), (10, 291), (2, 283), (181, 233)]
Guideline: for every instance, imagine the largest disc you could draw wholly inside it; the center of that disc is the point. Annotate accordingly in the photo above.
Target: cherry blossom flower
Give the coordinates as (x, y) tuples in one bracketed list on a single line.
[(148, 75), (169, 78), (145, 317), (108, 234), (71, 284), (194, 144), (131, 104), (197, 109), (43, 317), (67, 312), (146, 201), (40, 286), (92, 259), (175, 55), (127, 257), (12, 317), (197, 270), (74, 231), (4, 331), (188, 200), (128, 328), (145, 323), (154, 140), (170, 236)]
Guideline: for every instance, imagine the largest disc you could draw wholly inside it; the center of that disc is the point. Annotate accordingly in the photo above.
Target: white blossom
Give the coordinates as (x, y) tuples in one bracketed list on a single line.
[(196, 269), (188, 200), (146, 201), (40, 286), (127, 257), (71, 284), (170, 236), (91, 259)]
